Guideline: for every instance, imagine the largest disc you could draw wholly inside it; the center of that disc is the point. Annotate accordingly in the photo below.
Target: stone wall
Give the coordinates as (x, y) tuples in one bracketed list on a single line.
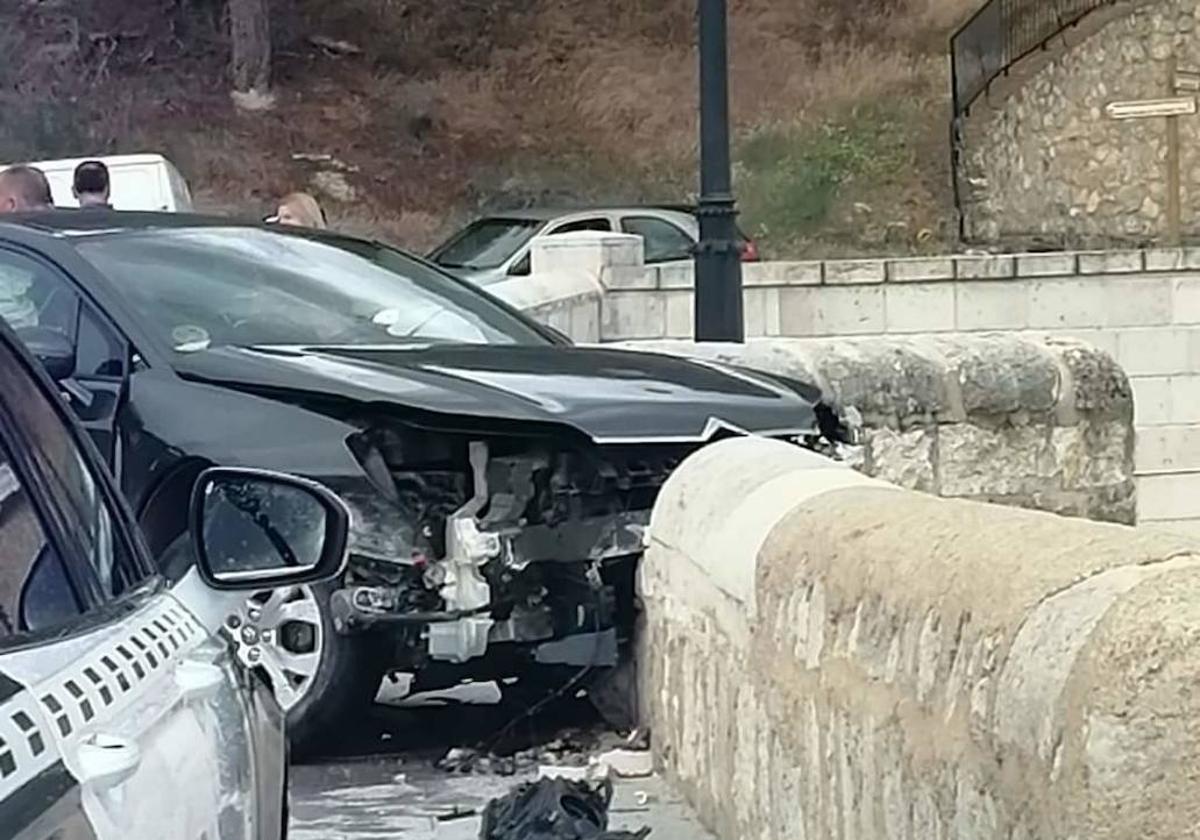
[(1043, 425), (1142, 307), (826, 656), (1040, 159)]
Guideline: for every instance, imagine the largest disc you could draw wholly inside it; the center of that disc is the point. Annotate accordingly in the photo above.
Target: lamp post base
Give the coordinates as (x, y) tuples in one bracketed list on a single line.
[(719, 307)]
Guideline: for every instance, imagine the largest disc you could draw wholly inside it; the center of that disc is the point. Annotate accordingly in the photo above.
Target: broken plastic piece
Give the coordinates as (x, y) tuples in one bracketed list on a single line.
[(628, 764), (593, 772)]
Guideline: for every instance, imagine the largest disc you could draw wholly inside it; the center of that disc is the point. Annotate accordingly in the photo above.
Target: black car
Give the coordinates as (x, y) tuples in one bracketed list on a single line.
[(500, 479)]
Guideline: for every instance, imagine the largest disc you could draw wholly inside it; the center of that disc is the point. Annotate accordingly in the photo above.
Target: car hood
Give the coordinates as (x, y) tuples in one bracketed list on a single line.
[(609, 395)]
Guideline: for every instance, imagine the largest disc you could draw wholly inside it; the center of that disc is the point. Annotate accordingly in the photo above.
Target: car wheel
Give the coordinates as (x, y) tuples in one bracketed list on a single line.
[(286, 635)]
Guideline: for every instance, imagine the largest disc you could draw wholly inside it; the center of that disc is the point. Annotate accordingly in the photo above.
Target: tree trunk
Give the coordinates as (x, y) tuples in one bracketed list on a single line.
[(250, 29)]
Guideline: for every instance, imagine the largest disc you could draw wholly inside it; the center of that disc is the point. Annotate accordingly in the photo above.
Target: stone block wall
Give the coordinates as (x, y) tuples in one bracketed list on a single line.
[(1040, 159), (1142, 307), (1043, 425), (565, 287), (828, 656)]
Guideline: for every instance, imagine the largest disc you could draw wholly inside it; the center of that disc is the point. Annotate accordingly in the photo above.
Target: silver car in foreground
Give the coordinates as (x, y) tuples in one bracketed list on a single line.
[(123, 712), (497, 247)]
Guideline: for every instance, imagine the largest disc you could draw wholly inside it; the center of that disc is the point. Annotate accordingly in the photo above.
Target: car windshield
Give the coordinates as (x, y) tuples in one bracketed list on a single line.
[(203, 287), (486, 244)]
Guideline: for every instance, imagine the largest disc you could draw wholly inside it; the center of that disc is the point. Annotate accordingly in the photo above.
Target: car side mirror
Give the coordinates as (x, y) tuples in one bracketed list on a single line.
[(52, 349), (254, 529)]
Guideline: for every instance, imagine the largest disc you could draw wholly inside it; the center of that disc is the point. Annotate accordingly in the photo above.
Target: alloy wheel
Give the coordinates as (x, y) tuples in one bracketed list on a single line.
[(280, 634)]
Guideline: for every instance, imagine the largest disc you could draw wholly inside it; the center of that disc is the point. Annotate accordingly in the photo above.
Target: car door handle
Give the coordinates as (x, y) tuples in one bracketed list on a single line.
[(198, 680), (107, 761)]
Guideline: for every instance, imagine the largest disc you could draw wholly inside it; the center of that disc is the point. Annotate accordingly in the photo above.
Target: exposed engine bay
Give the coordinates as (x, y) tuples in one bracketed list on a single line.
[(471, 543)]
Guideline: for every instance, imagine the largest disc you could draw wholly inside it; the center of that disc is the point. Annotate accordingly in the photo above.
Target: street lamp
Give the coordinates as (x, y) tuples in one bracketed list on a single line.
[(719, 315)]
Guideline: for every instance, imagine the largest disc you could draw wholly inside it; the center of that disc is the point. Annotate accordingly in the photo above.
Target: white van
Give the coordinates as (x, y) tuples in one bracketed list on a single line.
[(139, 182)]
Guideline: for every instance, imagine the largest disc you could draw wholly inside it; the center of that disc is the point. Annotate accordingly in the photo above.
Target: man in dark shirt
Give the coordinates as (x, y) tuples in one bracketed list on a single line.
[(91, 185)]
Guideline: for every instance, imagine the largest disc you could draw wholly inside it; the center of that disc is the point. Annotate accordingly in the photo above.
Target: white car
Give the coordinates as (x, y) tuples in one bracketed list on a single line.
[(495, 248), (147, 182), (123, 712)]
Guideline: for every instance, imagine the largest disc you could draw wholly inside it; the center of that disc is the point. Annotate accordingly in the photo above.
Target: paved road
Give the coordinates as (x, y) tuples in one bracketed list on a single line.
[(386, 800), (397, 793)]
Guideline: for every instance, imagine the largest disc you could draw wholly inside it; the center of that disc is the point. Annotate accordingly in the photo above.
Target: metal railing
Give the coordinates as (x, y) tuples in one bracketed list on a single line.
[(1002, 33), (996, 37)]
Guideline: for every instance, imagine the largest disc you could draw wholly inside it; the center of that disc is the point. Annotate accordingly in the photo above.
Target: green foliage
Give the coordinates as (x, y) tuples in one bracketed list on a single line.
[(790, 177)]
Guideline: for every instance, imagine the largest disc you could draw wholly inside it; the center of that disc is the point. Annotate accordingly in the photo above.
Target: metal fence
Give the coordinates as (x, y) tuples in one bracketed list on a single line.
[(996, 37), (1003, 32)]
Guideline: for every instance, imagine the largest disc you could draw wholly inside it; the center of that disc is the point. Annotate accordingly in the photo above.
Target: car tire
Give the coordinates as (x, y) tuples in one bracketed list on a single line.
[(346, 678), (346, 683)]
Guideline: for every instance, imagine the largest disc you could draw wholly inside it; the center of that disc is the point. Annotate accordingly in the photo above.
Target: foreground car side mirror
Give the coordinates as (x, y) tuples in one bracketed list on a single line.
[(53, 350), (254, 529)]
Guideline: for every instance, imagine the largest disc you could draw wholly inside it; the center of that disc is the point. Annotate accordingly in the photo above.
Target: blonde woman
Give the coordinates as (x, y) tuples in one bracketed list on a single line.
[(299, 209)]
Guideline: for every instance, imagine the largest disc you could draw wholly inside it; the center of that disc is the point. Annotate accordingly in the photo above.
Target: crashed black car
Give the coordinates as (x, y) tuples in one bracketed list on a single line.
[(500, 479)]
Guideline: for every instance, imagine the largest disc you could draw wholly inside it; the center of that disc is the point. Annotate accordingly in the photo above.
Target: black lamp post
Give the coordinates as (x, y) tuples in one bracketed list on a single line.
[(719, 315)]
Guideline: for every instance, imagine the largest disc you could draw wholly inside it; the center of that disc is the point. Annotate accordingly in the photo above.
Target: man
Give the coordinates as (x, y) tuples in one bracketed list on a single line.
[(23, 189), (91, 185)]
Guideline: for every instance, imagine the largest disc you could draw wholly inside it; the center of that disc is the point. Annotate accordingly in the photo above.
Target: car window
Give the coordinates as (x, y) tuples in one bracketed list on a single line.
[(34, 294), (583, 224), (486, 244), (99, 352), (664, 241), (86, 511), (210, 287), (34, 591), (522, 267)]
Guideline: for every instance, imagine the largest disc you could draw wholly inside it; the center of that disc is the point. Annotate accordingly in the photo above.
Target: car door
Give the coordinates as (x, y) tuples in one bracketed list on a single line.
[(121, 716), (665, 242), (44, 307)]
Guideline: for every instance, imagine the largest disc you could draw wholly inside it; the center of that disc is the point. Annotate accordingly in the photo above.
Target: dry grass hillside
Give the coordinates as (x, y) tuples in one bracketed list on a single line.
[(460, 106)]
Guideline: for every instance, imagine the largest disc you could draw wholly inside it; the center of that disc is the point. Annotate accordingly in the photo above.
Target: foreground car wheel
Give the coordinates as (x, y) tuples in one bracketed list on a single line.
[(281, 633), (319, 677)]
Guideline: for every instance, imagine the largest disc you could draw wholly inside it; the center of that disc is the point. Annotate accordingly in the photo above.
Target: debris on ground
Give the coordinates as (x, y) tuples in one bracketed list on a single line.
[(628, 764), (458, 760), (574, 774), (553, 809), (573, 748), (457, 814)]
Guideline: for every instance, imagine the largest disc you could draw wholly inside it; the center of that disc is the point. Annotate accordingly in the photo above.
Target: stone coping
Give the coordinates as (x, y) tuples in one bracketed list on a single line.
[(817, 655), (860, 272), (904, 382)]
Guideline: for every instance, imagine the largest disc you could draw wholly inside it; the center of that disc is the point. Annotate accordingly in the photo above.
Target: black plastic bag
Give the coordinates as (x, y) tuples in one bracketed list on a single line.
[(553, 809)]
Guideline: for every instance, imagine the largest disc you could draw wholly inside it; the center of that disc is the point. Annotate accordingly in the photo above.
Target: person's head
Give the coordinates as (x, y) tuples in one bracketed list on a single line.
[(91, 184), (24, 188), (300, 209)]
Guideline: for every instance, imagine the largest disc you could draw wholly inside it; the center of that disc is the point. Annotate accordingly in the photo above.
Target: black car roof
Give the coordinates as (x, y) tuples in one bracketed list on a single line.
[(68, 222)]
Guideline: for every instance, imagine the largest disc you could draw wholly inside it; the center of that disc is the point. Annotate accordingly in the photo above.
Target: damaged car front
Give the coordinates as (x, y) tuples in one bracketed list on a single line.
[(500, 511), (500, 480)]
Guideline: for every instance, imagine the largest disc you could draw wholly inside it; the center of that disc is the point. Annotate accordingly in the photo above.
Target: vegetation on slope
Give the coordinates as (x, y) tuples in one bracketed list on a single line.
[(462, 106)]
